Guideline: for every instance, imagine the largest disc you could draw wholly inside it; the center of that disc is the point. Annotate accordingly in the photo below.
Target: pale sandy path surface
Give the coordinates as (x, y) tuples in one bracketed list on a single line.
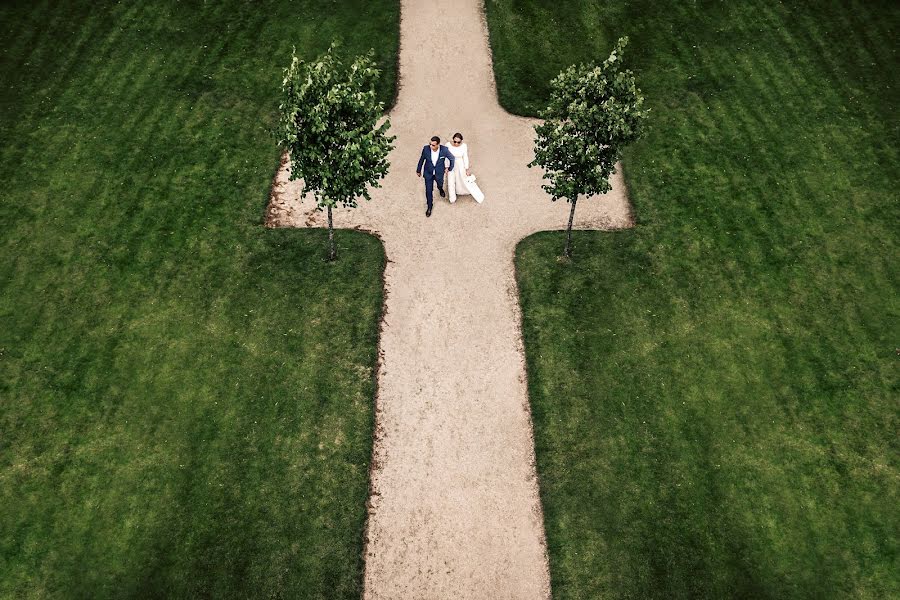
[(454, 511)]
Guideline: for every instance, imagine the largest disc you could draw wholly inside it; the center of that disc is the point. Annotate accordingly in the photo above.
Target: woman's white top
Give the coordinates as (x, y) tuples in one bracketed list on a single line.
[(461, 151), (459, 183)]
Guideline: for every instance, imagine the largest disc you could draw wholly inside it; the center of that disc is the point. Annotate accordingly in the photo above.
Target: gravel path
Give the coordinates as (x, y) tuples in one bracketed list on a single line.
[(454, 511)]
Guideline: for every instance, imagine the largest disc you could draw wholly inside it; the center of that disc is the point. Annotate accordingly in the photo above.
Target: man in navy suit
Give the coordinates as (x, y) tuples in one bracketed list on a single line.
[(433, 157)]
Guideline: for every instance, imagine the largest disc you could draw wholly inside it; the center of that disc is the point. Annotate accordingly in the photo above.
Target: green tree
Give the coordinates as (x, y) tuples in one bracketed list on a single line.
[(593, 114), (329, 125)]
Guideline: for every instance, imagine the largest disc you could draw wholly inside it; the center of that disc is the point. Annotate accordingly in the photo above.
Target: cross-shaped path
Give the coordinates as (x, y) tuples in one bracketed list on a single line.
[(454, 511)]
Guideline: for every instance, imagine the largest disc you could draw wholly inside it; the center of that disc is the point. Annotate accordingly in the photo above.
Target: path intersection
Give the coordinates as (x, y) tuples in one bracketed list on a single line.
[(454, 511)]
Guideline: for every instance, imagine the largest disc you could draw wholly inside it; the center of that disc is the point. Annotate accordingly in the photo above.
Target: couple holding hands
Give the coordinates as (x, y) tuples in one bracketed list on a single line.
[(434, 157)]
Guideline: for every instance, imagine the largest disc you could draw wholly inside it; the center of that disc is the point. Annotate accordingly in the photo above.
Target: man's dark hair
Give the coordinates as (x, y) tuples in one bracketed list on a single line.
[(435, 138), (458, 135)]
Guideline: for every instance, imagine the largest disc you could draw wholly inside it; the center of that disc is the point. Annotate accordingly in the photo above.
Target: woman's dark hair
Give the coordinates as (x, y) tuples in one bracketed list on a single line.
[(436, 139), (458, 135)]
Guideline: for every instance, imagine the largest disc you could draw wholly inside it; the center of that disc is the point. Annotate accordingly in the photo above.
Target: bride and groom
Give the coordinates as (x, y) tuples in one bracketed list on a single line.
[(434, 158)]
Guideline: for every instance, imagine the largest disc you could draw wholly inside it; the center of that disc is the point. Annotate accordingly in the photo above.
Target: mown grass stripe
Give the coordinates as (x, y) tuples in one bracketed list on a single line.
[(151, 337), (724, 355)]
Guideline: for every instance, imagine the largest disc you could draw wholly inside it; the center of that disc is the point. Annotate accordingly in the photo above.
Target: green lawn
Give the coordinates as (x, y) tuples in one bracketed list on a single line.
[(186, 397), (715, 392)]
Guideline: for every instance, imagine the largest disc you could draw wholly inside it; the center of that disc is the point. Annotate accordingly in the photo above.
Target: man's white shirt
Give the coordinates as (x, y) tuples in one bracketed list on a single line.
[(434, 156)]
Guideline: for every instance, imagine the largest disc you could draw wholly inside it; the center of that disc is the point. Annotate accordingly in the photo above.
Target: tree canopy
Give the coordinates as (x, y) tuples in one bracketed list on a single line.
[(329, 125), (593, 113)]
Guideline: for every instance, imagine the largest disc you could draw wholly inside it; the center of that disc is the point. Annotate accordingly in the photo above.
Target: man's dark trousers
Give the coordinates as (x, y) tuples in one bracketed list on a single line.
[(430, 179)]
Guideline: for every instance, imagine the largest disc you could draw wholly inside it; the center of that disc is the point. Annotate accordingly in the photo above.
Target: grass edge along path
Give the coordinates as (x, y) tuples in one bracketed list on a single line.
[(713, 392), (187, 396)]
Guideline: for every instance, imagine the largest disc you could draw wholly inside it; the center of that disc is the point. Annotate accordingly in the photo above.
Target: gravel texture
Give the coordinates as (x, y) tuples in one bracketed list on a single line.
[(454, 511)]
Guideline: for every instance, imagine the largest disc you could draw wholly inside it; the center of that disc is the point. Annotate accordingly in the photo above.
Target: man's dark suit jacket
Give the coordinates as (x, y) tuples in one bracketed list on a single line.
[(430, 169)]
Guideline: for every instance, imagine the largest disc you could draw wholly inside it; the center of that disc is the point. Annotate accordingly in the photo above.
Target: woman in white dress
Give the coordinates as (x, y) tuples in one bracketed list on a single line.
[(462, 182)]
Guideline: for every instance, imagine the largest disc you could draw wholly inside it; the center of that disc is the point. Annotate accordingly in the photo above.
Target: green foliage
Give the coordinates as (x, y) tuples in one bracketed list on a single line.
[(714, 392), (175, 419), (329, 118), (593, 114)]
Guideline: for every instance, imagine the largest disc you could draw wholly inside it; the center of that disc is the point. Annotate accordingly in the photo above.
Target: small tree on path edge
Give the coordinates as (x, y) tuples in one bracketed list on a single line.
[(593, 114), (329, 124)]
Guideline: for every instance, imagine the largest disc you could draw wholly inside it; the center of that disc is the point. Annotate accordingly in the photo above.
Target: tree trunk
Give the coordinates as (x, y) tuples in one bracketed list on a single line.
[(569, 230), (332, 252)]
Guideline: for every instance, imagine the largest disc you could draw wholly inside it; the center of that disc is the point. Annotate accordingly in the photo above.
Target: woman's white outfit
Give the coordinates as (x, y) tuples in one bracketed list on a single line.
[(460, 183)]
